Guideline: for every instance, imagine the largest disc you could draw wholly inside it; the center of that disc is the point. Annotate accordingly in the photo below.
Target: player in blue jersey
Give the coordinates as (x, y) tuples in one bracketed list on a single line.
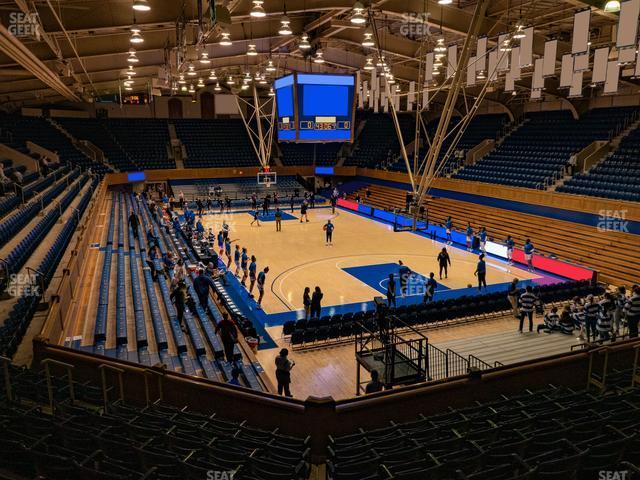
[(220, 243), (469, 233), (483, 240), (244, 259), (481, 272), (528, 254), (227, 251), (448, 225), (328, 229), (252, 274), (236, 260), (256, 216), (509, 243)]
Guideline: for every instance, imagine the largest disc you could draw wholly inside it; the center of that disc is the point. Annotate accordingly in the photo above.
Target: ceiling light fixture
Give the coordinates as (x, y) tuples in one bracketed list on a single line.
[(318, 58), (440, 48), (367, 41), (225, 41), (192, 70), (519, 32), (132, 56), (141, 5), (181, 80), (445, 2), (270, 66), (612, 6), (251, 50), (204, 58), (192, 89), (131, 71), (369, 64), (285, 28), (200, 83), (217, 88), (304, 42), (230, 80), (136, 37), (271, 92), (213, 75), (257, 11), (358, 17)]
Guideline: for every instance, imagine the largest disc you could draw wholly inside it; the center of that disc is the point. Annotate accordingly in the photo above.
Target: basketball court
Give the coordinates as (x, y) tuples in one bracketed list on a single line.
[(356, 268)]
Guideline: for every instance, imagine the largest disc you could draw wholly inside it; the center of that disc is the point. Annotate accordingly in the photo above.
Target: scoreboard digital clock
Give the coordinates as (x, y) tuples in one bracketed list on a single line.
[(315, 107)]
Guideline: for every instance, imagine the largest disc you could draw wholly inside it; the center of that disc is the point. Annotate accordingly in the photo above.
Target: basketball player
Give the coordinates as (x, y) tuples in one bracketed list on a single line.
[(220, 243), (528, 254), (483, 239), (448, 226), (481, 272), (256, 217), (444, 261), (404, 273), (430, 288), (236, 260), (252, 274), (328, 228), (243, 266), (469, 236), (227, 251), (509, 243), (278, 217), (303, 211), (262, 276)]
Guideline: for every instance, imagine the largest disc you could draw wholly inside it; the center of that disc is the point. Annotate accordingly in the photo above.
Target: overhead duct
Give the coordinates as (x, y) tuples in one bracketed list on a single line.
[(16, 50)]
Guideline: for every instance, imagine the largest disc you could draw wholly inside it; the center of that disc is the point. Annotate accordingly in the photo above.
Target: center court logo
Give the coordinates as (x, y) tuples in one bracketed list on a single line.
[(415, 25), (613, 221)]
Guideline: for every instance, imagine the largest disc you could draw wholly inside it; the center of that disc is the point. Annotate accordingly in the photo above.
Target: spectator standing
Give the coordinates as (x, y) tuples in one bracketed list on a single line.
[(391, 291), (134, 222), (316, 303), (591, 309), (527, 304), (512, 294), (632, 311), (444, 261), (262, 277), (201, 284), (481, 272), (306, 301), (228, 334), (283, 372)]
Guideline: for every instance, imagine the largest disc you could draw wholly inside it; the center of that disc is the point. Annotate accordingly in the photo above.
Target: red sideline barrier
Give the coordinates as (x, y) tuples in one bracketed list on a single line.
[(556, 267), (351, 205)]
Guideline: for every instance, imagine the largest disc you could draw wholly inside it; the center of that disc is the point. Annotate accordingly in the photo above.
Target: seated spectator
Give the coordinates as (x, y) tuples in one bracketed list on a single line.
[(551, 321), (375, 385), (235, 373), (566, 322)]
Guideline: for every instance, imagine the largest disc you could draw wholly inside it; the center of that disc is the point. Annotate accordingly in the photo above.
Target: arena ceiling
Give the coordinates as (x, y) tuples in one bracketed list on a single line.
[(82, 46)]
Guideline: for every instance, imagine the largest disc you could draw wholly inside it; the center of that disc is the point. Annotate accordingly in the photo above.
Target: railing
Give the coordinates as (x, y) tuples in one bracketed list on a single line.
[(456, 364), (47, 370), (437, 362), (475, 362), (105, 390)]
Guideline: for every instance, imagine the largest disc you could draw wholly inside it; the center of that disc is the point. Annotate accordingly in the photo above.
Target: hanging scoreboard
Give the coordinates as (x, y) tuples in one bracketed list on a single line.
[(315, 107)]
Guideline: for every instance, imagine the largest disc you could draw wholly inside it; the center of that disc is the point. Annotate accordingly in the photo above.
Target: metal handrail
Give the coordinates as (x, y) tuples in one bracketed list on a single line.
[(148, 372), (105, 395), (7, 380), (49, 361)]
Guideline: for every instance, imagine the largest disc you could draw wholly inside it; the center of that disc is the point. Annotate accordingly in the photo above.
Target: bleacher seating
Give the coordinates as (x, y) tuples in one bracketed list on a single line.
[(605, 251), (532, 435), (322, 154), (95, 131), (128, 442), (215, 143), (144, 140), (480, 128), (239, 190), (617, 176), (20, 316), (40, 131), (537, 153), (378, 139)]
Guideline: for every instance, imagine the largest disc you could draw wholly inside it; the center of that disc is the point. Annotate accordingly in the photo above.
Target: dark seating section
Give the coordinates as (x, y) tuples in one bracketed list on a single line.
[(144, 140), (617, 176), (378, 138), (156, 442), (480, 128), (20, 316), (537, 153), (324, 154), (339, 327), (215, 143), (41, 132), (531, 435), (95, 131)]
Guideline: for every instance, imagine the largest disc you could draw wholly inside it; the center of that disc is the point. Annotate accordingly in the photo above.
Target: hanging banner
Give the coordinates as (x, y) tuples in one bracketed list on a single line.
[(411, 97), (481, 54), (526, 48), (613, 77), (549, 64), (492, 73), (515, 63), (576, 85), (428, 68), (600, 60), (538, 80), (452, 60), (503, 56), (581, 22), (471, 72)]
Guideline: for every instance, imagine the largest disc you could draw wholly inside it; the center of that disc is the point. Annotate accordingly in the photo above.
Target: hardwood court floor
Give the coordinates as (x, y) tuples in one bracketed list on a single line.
[(331, 371), (297, 257)]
